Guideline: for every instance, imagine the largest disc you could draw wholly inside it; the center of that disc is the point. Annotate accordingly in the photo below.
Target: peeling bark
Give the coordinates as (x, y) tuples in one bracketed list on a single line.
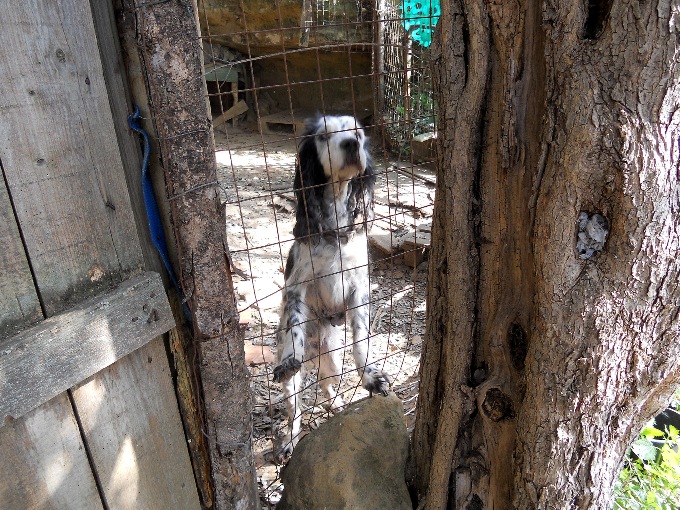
[(539, 366)]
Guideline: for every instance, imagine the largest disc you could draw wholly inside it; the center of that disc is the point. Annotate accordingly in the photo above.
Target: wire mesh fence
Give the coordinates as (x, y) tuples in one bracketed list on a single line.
[(407, 103), (271, 66)]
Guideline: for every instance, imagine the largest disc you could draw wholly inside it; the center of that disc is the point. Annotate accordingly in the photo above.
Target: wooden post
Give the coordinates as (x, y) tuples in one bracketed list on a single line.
[(378, 64), (171, 54)]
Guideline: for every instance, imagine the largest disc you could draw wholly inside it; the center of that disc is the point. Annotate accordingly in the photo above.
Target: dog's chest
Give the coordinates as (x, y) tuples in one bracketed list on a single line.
[(332, 272)]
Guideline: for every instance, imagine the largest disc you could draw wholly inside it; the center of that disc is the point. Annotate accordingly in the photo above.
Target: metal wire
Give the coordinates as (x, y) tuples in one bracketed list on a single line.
[(359, 61)]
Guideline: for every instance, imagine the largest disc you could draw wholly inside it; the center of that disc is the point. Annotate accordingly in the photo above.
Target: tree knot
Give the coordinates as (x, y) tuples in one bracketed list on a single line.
[(497, 406)]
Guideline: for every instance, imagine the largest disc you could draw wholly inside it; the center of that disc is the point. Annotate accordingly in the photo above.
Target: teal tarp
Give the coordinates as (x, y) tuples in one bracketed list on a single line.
[(419, 19)]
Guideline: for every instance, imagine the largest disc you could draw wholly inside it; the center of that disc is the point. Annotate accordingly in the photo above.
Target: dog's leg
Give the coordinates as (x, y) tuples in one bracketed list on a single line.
[(291, 335), (291, 344), (330, 365), (372, 378), (291, 389)]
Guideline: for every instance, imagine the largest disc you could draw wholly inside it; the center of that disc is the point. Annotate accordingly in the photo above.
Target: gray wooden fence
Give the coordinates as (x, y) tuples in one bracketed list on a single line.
[(89, 412)]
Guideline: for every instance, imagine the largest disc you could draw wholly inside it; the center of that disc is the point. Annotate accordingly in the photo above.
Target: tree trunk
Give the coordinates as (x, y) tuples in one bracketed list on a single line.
[(171, 52), (542, 362)]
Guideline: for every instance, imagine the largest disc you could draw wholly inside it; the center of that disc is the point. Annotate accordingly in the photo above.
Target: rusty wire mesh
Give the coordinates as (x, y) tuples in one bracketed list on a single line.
[(268, 67)]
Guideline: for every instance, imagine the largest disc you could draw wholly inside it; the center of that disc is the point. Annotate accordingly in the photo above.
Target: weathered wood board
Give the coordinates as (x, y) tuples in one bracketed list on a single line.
[(128, 141), (135, 85), (237, 109), (64, 171), (43, 361), (43, 463), (60, 153), (136, 438), (19, 305)]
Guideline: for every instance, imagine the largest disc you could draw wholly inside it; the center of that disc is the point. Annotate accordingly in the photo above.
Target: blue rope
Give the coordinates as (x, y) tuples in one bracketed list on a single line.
[(152, 214)]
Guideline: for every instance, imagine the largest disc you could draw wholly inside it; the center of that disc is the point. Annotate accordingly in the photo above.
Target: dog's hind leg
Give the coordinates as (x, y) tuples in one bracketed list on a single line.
[(330, 365), (372, 378)]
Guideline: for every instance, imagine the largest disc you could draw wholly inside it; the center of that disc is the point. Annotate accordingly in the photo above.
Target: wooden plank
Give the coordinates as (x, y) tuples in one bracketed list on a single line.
[(19, 305), (284, 121), (416, 172), (415, 245), (413, 256), (60, 154), (66, 176), (221, 72), (45, 360), (136, 437), (415, 239), (237, 109), (44, 464), (383, 241), (120, 100)]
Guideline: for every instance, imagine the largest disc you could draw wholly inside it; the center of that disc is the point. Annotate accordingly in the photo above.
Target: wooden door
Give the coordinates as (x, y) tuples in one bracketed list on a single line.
[(89, 414)]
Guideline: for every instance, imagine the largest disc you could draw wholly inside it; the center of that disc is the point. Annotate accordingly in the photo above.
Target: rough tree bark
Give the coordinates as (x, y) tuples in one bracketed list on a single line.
[(171, 52), (540, 367)]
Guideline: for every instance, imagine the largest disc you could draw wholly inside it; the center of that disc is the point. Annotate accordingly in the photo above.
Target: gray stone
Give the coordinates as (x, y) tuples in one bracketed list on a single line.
[(354, 461)]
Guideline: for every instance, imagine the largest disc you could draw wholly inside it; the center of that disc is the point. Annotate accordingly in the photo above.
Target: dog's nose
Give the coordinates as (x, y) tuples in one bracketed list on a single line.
[(350, 145)]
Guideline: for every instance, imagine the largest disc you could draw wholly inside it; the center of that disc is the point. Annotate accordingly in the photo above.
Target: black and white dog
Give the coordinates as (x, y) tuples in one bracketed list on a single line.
[(327, 284)]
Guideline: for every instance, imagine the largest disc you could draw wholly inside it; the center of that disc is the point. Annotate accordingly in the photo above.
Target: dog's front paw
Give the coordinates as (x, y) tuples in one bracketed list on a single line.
[(284, 453), (287, 369), (335, 405), (376, 381), (286, 450)]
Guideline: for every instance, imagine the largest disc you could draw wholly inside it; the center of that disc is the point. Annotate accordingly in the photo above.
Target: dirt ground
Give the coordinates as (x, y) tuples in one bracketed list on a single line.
[(256, 176)]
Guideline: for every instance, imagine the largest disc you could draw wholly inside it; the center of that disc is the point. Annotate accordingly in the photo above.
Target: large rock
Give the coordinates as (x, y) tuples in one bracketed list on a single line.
[(257, 28), (260, 27), (354, 461)]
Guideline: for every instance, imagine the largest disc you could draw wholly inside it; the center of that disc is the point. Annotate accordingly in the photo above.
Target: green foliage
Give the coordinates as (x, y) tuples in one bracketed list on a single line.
[(423, 102), (422, 115), (650, 479)]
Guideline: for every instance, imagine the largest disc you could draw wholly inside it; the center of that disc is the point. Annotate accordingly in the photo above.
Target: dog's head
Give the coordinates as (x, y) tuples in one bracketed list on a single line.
[(340, 145), (333, 150)]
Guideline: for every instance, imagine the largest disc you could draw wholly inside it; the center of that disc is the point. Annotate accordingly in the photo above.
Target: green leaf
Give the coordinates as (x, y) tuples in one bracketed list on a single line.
[(644, 449), (651, 432)]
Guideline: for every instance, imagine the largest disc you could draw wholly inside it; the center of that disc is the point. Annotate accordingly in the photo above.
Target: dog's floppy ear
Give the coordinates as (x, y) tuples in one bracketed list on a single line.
[(308, 185), (360, 201)]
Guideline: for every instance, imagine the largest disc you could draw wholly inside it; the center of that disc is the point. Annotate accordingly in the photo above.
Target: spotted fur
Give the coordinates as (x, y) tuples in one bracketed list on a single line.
[(327, 284)]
